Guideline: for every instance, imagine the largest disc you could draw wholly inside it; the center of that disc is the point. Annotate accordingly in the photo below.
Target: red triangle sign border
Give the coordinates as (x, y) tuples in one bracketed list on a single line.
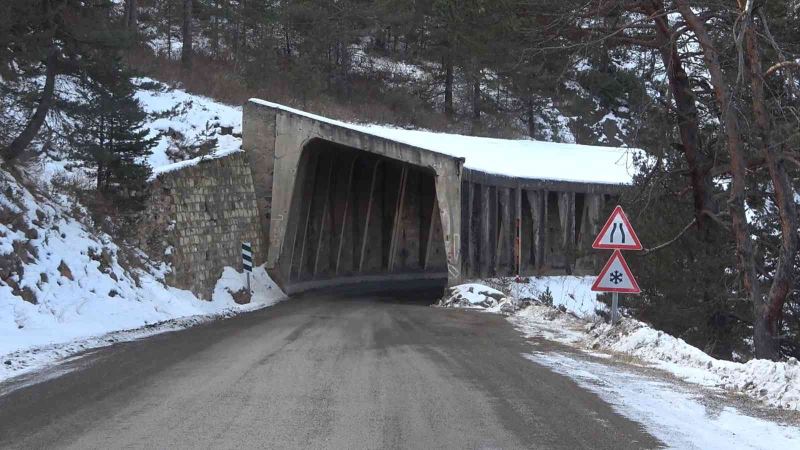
[(597, 244), (632, 290)]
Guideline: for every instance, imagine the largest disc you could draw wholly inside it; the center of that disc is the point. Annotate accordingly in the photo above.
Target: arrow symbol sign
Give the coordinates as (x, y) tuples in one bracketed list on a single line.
[(617, 233)]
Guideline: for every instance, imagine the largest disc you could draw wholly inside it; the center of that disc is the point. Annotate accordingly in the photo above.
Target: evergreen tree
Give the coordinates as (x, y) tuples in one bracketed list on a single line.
[(107, 134)]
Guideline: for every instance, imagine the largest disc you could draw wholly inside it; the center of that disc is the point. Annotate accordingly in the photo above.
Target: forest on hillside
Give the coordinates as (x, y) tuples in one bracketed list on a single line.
[(710, 90)]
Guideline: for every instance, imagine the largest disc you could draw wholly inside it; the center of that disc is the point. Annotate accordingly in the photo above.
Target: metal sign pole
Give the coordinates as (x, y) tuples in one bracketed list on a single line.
[(248, 282), (614, 307)]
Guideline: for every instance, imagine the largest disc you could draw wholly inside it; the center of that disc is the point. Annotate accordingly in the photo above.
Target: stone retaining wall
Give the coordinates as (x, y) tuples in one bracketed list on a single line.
[(198, 216)]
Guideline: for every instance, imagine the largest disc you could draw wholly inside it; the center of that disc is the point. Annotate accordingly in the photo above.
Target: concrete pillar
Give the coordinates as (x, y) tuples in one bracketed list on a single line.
[(566, 212), (302, 215), (486, 240), (258, 141), (448, 196), (343, 223)]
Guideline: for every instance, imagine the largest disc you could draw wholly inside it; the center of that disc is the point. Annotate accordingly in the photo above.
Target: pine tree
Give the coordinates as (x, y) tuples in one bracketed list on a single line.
[(107, 134)]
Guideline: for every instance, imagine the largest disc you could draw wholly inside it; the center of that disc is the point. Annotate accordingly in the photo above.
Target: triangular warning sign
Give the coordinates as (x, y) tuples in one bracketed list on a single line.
[(616, 277), (617, 233)]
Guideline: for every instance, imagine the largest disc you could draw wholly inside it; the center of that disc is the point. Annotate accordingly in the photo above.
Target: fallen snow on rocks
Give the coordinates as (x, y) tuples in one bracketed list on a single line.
[(477, 296), (776, 384)]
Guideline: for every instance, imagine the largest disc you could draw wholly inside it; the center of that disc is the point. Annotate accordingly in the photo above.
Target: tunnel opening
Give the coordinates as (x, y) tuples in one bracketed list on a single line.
[(362, 219)]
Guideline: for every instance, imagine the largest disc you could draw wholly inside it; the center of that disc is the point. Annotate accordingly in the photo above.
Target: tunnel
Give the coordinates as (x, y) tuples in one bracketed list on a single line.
[(361, 218), (350, 205)]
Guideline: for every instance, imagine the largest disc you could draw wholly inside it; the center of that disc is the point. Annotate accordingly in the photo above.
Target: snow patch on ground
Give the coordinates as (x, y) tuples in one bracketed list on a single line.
[(673, 416)]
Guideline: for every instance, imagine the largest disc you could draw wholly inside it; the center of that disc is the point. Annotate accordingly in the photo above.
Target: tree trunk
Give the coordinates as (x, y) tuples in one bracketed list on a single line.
[(769, 313), (686, 110), (215, 29), (132, 16), (186, 51), (448, 84), (476, 97), (736, 201), (169, 29), (531, 118), (21, 142)]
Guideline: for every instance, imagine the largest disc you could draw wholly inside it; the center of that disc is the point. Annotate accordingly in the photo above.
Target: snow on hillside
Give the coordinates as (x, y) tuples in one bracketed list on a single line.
[(63, 279), (192, 127), (64, 284), (776, 384), (188, 127)]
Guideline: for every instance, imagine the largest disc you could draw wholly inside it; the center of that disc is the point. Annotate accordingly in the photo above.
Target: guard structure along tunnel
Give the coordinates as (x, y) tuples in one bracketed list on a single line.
[(342, 204)]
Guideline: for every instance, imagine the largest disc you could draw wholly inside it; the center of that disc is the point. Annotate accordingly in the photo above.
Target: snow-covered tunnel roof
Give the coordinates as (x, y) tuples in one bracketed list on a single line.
[(509, 157)]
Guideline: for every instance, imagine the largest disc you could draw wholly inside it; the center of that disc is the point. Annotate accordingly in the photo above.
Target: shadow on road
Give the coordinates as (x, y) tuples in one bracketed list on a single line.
[(417, 292)]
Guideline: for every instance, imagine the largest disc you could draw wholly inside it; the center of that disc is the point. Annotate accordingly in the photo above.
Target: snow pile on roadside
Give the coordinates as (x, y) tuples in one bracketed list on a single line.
[(573, 293), (776, 384), (673, 414), (474, 295), (62, 279)]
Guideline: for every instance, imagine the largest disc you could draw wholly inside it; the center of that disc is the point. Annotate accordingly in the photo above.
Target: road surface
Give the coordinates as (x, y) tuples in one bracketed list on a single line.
[(385, 371)]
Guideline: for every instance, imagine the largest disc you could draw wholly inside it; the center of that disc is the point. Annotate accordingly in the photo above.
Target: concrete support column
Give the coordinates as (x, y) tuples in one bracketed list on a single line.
[(536, 201), (448, 196), (367, 218), (342, 227), (486, 239), (505, 234), (566, 212), (258, 141)]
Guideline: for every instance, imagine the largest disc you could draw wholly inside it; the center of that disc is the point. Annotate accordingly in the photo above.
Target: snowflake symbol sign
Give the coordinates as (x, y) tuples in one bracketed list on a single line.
[(616, 277)]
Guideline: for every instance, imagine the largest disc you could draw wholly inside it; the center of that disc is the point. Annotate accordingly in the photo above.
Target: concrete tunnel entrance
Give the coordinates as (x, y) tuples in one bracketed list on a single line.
[(361, 218)]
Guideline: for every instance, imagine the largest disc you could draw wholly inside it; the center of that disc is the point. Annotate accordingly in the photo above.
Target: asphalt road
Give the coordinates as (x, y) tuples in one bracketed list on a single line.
[(319, 372)]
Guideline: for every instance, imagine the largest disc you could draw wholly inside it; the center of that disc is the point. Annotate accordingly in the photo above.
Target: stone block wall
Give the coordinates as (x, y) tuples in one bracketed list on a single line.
[(198, 216)]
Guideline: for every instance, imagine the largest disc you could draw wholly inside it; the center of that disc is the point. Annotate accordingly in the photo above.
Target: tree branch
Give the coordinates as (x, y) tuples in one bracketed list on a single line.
[(782, 65), (648, 251)]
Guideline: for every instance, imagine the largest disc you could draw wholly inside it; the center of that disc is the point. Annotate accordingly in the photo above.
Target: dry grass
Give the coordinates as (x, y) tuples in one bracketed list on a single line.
[(365, 100)]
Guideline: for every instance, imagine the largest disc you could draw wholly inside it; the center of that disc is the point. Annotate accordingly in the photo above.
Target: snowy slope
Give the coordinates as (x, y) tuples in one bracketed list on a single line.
[(184, 122), (64, 284), (64, 279)]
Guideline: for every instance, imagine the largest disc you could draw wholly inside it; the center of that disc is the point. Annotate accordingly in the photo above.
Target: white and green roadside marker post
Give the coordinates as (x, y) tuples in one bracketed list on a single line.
[(247, 261), (615, 277)]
